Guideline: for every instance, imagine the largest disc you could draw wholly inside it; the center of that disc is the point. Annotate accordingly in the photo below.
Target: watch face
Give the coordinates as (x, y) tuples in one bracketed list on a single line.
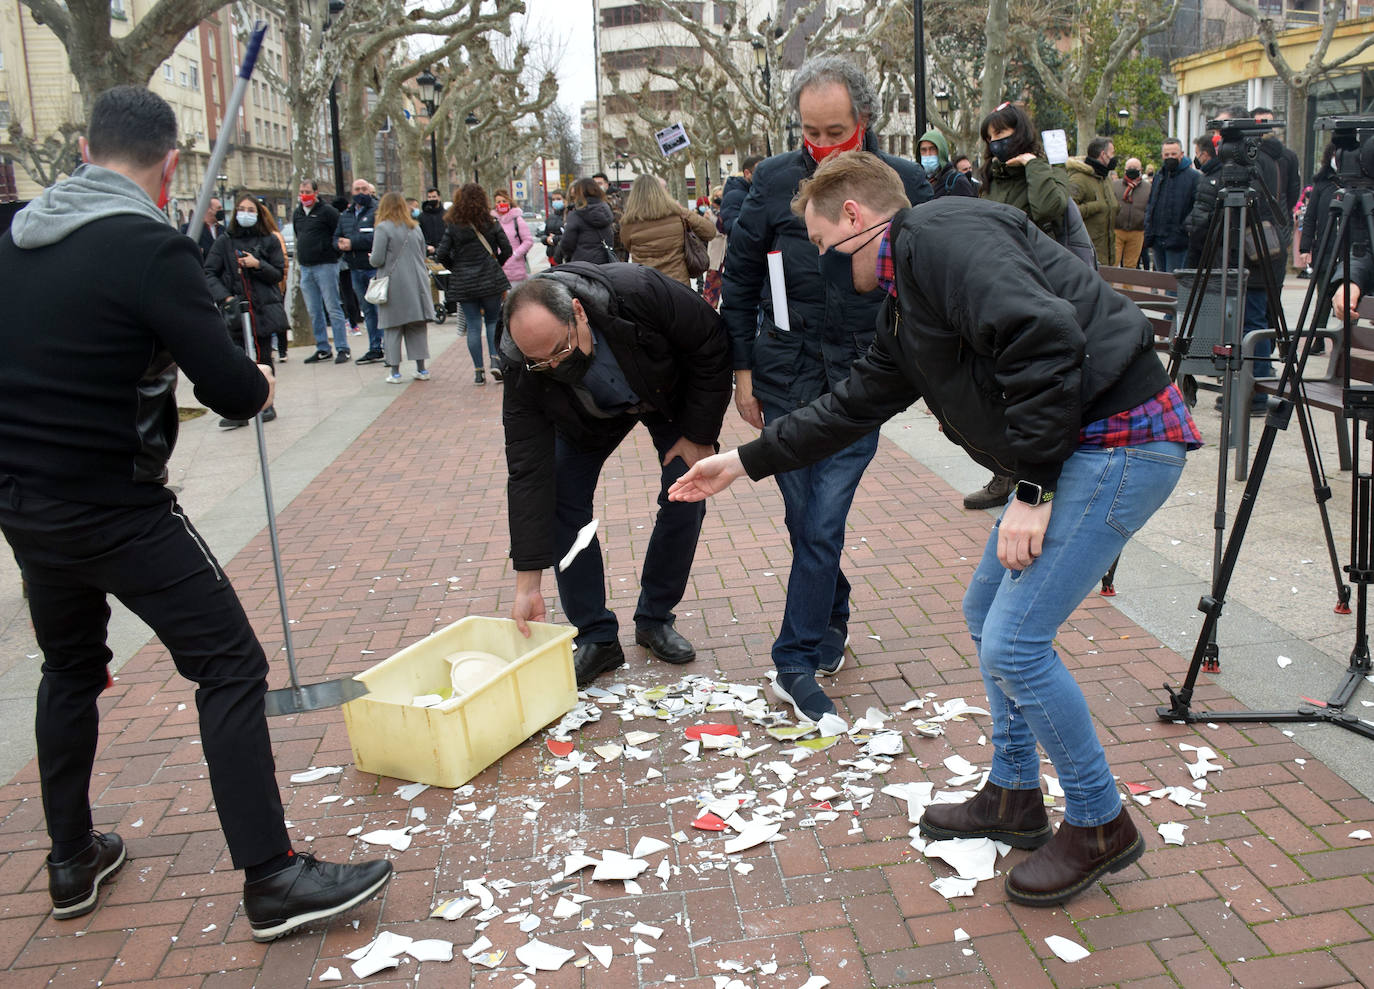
[(1029, 492)]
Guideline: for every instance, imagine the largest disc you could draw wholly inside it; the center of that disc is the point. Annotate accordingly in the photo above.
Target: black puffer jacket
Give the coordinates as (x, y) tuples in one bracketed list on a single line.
[(830, 328), (1011, 375), (1269, 207), (672, 350), (222, 273), (1318, 211), (474, 272), (587, 232), (732, 197), (1171, 200), (949, 181), (553, 227)]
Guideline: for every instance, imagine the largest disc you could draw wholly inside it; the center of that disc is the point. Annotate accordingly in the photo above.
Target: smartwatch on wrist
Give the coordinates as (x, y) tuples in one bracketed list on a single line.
[(1032, 493)]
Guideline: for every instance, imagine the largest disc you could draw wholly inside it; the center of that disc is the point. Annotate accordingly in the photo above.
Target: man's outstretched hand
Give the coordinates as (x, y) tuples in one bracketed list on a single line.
[(707, 477)]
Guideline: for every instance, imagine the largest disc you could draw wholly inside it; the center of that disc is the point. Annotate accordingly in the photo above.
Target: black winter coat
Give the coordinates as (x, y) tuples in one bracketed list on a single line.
[(830, 328), (731, 199), (949, 181), (432, 225), (1269, 208), (474, 272), (315, 233), (672, 350), (1170, 202), (1012, 374), (222, 272), (553, 227), (358, 226), (1289, 185), (1318, 212), (585, 231)]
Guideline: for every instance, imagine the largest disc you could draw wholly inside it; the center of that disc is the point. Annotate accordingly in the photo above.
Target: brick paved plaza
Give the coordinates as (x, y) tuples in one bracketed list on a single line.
[(1267, 890)]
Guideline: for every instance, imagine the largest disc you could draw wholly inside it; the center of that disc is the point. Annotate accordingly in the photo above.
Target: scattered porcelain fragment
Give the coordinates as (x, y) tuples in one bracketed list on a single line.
[(960, 934), (951, 887), (1361, 835), (453, 909), (331, 974), (1069, 951), (1284, 662), (815, 982), (617, 868), (971, 858), (638, 738), (314, 775), (608, 753), (751, 836), (644, 949), (708, 822), (372, 964), (960, 766), (601, 952), (410, 791), (1172, 832), (398, 839), (576, 863), (832, 724), (645, 930), (544, 957), (431, 950), (584, 538), (647, 846), (565, 908)]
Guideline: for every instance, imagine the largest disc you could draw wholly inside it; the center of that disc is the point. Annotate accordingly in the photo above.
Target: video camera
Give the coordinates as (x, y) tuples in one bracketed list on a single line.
[(1240, 137), (1353, 136)]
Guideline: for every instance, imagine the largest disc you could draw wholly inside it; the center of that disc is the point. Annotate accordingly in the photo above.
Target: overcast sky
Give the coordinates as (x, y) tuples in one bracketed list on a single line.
[(569, 21)]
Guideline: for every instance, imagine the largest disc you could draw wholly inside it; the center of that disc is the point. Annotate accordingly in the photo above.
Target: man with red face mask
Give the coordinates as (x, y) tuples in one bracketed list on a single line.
[(778, 370)]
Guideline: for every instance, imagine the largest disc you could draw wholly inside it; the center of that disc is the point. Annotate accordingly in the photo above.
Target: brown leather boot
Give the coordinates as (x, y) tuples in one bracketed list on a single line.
[(1074, 860), (1016, 817), (994, 494)]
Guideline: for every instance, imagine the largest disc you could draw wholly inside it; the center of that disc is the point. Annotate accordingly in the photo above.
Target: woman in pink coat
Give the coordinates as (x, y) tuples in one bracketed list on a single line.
[(517, 232)]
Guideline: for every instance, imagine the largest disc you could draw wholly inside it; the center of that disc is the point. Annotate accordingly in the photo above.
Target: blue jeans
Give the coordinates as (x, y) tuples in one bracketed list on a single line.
[(474, 310), (320, 286), (361, 277), (1104, 496), (1257, 318), (667, 557), (816, 502), (1169, 259)]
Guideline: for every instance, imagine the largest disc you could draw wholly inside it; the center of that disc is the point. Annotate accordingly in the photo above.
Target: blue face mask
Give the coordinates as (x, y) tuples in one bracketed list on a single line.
[(415, 212), (837, 267), (558, 204), (931, 163)]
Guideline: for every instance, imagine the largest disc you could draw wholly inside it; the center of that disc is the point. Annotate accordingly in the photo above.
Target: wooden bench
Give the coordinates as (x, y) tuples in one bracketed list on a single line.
[(1154, 292)]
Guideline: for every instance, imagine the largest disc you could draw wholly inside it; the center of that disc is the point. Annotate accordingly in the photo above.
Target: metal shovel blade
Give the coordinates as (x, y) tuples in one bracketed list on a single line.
[(313, 696)]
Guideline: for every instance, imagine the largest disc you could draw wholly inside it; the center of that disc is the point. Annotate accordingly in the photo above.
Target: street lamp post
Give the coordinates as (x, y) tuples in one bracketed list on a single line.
[(761, 61), (918, 53), (430, 88), (336, 8), (472, 121), (616, 165)]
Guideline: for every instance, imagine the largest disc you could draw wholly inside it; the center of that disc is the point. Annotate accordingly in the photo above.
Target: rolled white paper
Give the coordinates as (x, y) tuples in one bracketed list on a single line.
[(779, 285)]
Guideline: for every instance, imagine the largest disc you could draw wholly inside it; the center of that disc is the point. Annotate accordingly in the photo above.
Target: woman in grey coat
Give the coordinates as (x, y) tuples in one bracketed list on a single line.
[(398, 252)]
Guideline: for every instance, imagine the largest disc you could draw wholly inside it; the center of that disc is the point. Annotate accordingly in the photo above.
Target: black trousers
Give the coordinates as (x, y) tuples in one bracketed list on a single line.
[(152, 559)]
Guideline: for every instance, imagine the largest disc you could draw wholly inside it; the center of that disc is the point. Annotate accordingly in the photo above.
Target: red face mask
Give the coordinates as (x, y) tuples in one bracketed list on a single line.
[(307, 199), (162, 197), (821, 152), (503, 207)]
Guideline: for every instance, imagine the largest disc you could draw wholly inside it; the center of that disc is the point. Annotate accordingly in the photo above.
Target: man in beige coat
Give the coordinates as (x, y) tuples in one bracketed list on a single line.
[(1091, 188)]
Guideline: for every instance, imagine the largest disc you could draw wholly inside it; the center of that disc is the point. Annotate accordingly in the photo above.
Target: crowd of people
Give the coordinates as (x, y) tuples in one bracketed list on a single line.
[(850, 283)]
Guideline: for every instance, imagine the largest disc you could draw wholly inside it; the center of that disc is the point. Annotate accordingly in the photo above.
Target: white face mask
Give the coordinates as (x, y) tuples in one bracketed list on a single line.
[(246, 220)]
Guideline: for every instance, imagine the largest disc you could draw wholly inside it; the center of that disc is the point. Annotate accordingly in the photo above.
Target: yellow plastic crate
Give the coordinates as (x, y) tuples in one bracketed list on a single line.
[(448, 747)]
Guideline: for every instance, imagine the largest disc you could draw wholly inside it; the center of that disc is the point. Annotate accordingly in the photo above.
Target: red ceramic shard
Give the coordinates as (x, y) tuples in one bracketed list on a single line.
[(1139, 788), (696, 731), (558, 748), (708, 822), (823, 805)]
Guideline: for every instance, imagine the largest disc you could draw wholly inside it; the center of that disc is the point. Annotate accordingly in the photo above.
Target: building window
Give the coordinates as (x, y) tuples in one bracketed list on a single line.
[(904, 103), (4, 113), (167, 71), (194, 71), (182, 81), (117, 10)]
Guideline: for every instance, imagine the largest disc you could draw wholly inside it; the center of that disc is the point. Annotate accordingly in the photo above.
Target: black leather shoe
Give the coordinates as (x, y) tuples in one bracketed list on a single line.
[(309, 890), (994, 494), (666, 643), (595, 658), (232, 423), (75, 883), (319, 357), (269, 413)]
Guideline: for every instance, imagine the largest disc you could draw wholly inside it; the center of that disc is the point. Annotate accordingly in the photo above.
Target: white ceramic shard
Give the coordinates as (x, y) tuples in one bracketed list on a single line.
[(1172, 832), (619, 869), (1069, 951), (580, 542), (647, 846), (960, 934), (754, 834), (314, 775), (476, 948), (601, 952), (398, 839), (951, 887), (477, 888), (971, 858), (644, 949), (1361, 835), (565, 908), (543, 957), (638, 738), (454, 908), (831, 725), (411, 790), (815, 982), (431, 950), (645, 930), (960, 766), (331, 974), (371, 964)]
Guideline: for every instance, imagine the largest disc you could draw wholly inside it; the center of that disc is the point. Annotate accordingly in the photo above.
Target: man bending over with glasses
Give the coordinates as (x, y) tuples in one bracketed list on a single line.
[(591, 351)]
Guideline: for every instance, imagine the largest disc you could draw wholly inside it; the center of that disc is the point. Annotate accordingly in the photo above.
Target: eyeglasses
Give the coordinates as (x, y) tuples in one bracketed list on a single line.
[(548, 362)]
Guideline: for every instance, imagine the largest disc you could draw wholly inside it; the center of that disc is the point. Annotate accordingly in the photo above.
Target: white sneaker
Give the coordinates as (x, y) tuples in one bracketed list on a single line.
[(393, 379), (421, 375)]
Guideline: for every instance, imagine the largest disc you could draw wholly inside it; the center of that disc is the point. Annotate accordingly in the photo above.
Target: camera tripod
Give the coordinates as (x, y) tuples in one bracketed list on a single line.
[(1355, 200)]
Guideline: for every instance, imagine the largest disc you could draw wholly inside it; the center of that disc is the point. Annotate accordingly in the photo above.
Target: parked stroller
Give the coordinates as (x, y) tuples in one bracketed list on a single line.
[(438, 282)]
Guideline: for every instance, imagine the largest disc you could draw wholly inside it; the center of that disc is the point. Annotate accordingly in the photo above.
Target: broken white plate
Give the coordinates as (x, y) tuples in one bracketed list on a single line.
[(754, 834), (1361, 835), (815, 982), (371, 964), (831, 725), (601, 952), (541, 956), (398, 839), (1069, 951), (411, 790), (647, 846), (638, 738), (581, 542), (960, 766), (613, 869), (645, 930), (971, 858), (644, 949), (951, 887), (960, 934), (313, 775), (431, 950), (1172, 832), (565, 908), (454, 908)]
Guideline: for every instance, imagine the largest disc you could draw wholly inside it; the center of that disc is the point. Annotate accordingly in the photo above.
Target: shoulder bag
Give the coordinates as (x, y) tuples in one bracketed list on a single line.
[(694, 252)]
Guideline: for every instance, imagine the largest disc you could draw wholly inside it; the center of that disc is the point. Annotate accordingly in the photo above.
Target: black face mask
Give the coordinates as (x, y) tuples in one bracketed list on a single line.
[(362, 200), (837, 267), (571, 369), (1171, 164), (1001, 149), (1132, 173), (430, 206), (1112, 163), (219, 216)]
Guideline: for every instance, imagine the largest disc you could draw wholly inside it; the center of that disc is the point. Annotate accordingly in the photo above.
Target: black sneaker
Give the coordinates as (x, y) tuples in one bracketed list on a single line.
[(345, 355), (319, 357), (232, 423), (309, 890), (269, 413), (833, 644), (591, 659), (371, 357), (496, 374), (478, 378), (75, 883)]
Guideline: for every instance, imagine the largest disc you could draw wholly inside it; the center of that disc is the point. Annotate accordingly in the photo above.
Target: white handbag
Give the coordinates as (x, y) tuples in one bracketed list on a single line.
[(377, 289)]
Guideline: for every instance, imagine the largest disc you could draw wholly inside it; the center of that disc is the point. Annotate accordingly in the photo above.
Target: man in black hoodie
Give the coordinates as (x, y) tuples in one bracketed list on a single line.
[(89, 422), (432, 220)]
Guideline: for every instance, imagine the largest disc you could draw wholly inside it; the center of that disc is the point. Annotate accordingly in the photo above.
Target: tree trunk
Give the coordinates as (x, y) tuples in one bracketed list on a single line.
[(1295, 125), (994, 57)]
